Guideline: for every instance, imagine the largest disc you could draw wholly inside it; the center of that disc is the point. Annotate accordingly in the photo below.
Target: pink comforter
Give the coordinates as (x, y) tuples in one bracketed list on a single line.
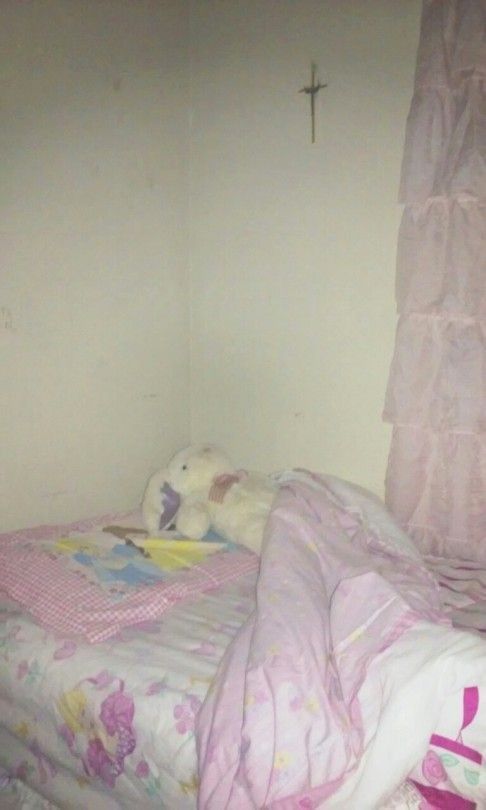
[(347, 651)]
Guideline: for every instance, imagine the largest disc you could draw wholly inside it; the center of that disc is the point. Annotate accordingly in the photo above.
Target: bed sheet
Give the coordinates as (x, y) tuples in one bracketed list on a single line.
[(111, 725)]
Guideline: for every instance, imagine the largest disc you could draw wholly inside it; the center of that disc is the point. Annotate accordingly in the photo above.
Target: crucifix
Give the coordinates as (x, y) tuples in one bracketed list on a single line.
[(312, 90)]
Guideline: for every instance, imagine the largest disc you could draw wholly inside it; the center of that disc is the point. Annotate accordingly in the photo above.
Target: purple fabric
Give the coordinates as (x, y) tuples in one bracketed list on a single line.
[(171, 501), (444, 799), (456, 747), (471, 703)]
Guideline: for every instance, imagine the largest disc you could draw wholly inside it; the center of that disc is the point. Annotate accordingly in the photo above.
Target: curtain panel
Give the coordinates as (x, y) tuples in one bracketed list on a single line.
[(436, 396)]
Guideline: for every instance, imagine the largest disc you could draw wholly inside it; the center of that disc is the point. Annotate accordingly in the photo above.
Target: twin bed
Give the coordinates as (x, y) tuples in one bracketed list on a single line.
[(118, 715), (104, 717)]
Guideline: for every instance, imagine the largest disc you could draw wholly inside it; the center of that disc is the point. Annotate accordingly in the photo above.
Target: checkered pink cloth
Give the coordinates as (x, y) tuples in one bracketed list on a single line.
[(64, 601)]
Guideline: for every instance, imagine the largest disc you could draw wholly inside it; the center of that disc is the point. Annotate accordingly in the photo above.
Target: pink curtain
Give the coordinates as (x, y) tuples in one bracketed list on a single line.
[(436, 397)]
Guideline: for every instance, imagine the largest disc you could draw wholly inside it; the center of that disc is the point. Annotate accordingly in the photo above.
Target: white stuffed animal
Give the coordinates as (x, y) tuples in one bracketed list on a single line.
[(200, 488)]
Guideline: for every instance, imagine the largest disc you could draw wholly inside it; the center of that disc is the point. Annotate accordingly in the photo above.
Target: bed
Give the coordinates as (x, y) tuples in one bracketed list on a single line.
[(119, 718), (135, 692)]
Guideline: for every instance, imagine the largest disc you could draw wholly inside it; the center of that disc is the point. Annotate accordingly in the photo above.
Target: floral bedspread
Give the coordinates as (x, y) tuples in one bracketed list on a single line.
[(112, 725)]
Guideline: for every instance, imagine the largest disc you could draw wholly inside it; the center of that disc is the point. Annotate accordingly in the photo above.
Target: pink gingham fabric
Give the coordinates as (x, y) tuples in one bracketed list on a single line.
[(65, 601)]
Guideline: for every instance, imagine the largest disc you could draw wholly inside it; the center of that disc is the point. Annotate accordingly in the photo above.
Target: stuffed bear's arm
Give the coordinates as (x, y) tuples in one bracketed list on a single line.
[(152, 502), (193, 520)]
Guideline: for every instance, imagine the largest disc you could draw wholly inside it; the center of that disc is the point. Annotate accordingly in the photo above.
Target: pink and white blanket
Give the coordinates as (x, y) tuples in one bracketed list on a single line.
[(329, 694)]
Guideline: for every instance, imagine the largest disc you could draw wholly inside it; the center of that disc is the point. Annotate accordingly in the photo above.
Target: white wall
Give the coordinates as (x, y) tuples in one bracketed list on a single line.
[(293, 244), (93, 252)]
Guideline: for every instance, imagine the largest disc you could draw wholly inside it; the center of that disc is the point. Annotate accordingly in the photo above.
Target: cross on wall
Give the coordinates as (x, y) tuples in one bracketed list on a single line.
[(312, 90)]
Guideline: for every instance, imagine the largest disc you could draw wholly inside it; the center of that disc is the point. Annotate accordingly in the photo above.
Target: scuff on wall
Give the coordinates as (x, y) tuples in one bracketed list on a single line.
[(6, 320)]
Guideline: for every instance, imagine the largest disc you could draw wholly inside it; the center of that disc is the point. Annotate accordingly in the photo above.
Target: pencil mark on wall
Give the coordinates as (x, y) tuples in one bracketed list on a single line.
[(117, 84), (150, 396), (6, 319), (56, 494)]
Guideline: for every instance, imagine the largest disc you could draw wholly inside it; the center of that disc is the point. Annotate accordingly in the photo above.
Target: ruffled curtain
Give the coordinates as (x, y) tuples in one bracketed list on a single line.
[(436, 397)]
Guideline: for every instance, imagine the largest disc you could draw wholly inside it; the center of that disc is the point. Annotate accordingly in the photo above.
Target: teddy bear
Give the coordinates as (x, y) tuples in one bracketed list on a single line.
[(201, 489)]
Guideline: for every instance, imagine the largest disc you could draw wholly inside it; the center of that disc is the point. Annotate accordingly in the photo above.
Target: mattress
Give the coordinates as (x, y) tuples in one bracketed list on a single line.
[(111, 725)]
